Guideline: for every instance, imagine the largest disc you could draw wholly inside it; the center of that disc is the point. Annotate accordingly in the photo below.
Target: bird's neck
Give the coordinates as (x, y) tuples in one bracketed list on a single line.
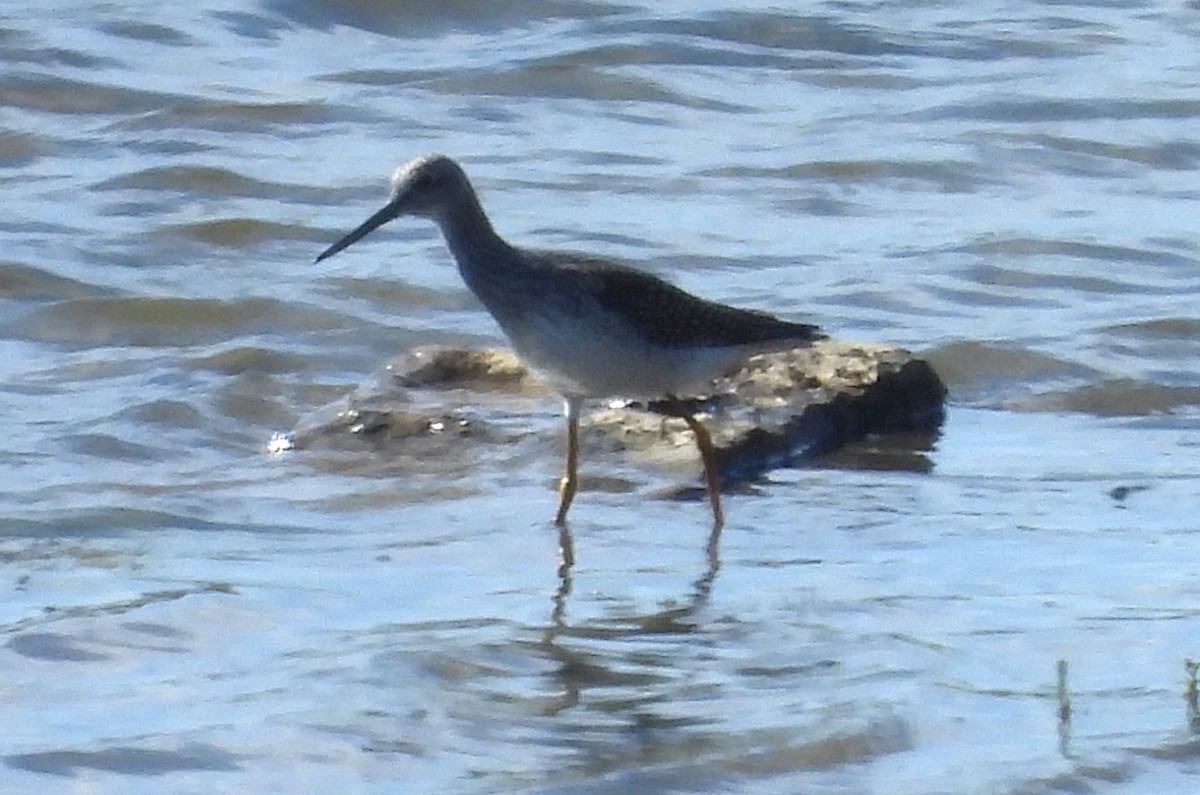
[(470, 236)]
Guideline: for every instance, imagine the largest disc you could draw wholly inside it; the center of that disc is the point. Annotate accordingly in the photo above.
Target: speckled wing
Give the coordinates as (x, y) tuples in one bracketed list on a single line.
[(671, 317)]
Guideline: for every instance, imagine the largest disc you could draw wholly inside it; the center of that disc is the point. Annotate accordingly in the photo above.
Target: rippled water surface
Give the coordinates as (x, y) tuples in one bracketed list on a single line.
[(1009, 189)]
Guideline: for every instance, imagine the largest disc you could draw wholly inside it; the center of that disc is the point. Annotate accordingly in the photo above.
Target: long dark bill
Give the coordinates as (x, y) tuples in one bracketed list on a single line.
[(370, 225)]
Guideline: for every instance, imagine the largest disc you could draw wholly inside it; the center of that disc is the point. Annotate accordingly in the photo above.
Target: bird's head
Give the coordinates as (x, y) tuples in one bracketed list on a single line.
[(429, 186)]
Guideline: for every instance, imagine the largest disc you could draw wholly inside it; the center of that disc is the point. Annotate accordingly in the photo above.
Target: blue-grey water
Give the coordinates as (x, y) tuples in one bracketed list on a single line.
[(1009, 189)]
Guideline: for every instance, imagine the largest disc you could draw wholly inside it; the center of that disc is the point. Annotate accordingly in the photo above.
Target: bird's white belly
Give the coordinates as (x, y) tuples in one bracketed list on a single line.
[(609, 361)]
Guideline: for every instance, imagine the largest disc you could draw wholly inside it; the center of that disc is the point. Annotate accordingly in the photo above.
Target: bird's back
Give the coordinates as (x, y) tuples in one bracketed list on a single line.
[(665, 315)]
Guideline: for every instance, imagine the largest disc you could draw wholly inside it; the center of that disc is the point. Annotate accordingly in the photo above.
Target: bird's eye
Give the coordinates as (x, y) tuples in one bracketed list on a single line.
[(424, 181)]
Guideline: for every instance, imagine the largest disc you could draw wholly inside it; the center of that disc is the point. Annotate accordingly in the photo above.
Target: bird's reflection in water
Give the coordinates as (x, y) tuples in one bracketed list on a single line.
[(579, 669)]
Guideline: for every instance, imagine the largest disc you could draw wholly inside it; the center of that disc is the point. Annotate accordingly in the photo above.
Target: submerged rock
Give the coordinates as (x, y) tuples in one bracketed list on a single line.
[(778, 409)]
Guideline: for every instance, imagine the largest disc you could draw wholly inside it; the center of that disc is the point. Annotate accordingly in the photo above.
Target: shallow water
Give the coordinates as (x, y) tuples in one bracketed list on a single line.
[(1012, 193)]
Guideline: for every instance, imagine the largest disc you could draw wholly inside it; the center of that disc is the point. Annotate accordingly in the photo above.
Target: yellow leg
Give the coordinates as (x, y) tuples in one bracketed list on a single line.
[(570, 479), (708, 457)]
